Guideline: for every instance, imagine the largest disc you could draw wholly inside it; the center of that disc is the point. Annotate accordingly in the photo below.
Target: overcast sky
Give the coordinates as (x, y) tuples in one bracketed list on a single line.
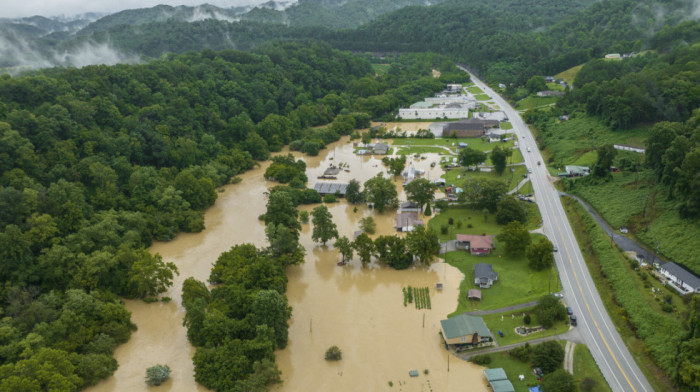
[(21, 8)]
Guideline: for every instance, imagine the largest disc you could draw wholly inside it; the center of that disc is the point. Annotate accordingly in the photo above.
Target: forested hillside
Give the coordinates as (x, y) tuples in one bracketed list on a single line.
[(98, 161)]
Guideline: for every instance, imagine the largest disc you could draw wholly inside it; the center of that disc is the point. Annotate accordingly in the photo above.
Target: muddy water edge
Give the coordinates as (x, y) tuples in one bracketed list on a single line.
[(358, 309)]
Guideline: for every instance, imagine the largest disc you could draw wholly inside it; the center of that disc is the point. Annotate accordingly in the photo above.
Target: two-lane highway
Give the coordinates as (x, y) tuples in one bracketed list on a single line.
[(594, 324)]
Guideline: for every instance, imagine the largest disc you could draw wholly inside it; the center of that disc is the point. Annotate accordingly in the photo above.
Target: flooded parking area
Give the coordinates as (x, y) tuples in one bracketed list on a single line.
[(358, 309)]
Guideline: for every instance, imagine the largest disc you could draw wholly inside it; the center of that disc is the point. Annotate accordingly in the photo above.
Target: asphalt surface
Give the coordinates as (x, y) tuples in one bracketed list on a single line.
[(594, 325)]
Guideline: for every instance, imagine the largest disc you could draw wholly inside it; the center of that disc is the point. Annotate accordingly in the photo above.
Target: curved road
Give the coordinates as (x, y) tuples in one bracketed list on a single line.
[(594, 324)]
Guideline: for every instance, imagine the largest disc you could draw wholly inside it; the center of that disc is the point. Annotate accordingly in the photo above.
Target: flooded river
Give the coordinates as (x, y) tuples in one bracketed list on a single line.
[(358, 309)]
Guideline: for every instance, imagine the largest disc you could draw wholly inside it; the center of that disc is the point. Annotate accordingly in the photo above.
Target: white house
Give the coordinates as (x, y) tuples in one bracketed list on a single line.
[(623, 147), (680, 279)]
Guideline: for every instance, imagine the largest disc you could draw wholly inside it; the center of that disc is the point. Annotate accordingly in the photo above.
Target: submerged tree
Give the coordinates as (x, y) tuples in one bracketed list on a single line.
[(382, 192), (324, 227), (344, 246), (156, 375)]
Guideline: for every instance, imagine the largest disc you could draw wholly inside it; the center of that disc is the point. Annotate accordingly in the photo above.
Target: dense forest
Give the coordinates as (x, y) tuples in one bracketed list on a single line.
[(97, 162)]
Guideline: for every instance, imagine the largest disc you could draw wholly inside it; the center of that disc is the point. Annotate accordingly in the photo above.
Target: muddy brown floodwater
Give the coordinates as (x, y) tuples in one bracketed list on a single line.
[(358, 309)]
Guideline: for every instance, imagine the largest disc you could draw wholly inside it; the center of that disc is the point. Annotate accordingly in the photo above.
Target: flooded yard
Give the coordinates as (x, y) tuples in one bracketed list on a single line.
[(358, 309)]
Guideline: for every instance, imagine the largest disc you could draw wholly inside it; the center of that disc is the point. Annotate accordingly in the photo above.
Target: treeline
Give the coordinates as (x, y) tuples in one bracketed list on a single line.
[(98, 161), (673, 152), (237, 326), (509, 47), (643, 89)]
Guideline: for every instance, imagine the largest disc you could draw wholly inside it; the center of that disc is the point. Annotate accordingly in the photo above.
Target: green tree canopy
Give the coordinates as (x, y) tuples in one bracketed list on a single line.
[(471, 157), (324, 227), (516, 238), (421, 191), (382, 192)]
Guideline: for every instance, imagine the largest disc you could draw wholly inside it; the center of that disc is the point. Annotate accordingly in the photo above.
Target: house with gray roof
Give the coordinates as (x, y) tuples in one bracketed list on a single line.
[(681, 279), (330, 188), (381, 148), (484, 275)]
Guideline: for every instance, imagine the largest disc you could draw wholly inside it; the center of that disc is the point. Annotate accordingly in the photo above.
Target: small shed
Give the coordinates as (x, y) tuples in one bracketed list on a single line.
[(474, 294), (498, 380)]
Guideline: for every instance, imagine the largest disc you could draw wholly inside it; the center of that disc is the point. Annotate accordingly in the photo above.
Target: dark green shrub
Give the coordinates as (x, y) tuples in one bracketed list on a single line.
[(482, 360), (156, 375), (333, 354)]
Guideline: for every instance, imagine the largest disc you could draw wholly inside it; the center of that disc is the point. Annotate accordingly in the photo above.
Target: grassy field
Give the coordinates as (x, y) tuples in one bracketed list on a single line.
[(570, 141), (420, 150), (506, 322), (506, 125), (618, 291), (482, 97), (380, 69), (569, 75), (458, 175), (585, 366), (464, 217), (513, 368), (517, 283), (532, 102), (636, 202), (555, 87), (475, 143), (475, 90)]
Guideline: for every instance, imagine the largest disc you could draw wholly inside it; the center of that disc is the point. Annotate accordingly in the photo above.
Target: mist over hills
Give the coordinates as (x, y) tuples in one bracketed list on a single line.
[(512, 37)]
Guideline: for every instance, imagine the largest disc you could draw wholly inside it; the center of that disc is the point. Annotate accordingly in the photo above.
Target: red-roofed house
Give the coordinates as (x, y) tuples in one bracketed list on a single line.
[(478, 245)]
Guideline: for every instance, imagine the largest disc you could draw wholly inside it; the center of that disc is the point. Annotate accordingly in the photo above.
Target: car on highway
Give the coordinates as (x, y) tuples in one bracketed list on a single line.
[(554, 248), (569, 311), (529, 170), (573, 320), (539, 163), (558, 295), (528, 149)]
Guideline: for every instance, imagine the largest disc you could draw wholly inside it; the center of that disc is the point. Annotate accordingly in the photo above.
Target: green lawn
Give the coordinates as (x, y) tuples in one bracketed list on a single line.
[(517, 283), (482, 97), (380, 69), (555, 87), (420, 150), (513, 368), (569, 75), (506, 322), (532, 102), (585, 366), (506, 125), (628, 197), (462, 218), (526, 189), (511, 178), (475, 143), (569, 141), (475, 90)]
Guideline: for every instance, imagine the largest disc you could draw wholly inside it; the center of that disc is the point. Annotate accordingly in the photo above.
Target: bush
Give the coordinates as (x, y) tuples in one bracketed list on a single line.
[(330, 198), (304, 216), (521, 353), (587, 384), (668, 308), (333, 354), (527, 319), (443, 229), (548, 356), (482, 360), (156, 375)]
